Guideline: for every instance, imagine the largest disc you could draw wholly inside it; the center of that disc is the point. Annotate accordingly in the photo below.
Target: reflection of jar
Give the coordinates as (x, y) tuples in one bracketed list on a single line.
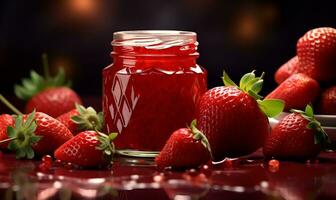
[(152, 86)]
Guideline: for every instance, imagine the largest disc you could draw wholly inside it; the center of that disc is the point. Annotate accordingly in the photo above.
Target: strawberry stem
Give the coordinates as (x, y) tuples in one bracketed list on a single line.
[(45, 64), (9, 105), (8, 140)]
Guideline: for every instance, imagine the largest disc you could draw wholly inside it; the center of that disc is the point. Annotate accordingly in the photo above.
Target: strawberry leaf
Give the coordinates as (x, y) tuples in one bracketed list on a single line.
[(245, 79), (106, 143), (198, 135), (249, 83), (309, 111), (37, 83), (320, 136), (271, 107), (227, 80), (22, 136), (88, 119)]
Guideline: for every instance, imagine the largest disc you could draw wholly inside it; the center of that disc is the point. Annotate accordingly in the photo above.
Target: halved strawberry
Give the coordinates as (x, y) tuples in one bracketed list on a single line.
[(297, 136), (50, 95), (186, 147)]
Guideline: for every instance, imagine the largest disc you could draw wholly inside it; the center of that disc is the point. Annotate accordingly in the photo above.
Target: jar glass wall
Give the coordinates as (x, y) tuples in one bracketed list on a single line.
[(152, 87)]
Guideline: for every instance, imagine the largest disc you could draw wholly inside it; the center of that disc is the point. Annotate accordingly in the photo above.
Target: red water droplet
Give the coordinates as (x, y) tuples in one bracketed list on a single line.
[(58, 163), (43, 167), (47, 159), (192, 172), (205, 169), (158, 177), (228, 163), (273, 165), (68, 165)]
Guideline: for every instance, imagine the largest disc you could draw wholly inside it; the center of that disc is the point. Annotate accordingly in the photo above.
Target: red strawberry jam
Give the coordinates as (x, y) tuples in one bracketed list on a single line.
[(152, 87)]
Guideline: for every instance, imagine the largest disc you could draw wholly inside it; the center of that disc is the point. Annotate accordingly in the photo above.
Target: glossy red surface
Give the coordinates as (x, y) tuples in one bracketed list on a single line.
[(149, 93), (245, 178)]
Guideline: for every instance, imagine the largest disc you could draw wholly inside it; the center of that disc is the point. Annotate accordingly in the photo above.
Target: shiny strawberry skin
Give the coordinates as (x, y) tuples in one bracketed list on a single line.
[(291, 139), (5, 121), (54, 134), (286, 70), (327, 104), (232, 122), (297, 91), (182, 151), (66, 120), (81, 150), (316, 51), (53, 101)]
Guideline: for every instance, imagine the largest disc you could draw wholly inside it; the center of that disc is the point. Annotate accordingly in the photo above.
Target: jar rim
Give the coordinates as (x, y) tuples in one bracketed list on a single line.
[(154, 39), (152, 33)]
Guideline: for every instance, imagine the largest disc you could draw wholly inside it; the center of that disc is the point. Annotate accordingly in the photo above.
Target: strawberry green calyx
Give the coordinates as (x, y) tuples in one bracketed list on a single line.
[(320, 136), (22, 136), (106, 143), (249, 83), (199, 136), (88, 119), (37, 83), (252, 85)]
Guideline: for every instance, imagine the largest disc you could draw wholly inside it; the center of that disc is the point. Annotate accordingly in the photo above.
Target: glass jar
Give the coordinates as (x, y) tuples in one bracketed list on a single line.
[(152, 87)]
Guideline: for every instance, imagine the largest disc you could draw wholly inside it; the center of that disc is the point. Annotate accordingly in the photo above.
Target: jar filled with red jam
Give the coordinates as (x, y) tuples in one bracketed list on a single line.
[(152, 87)]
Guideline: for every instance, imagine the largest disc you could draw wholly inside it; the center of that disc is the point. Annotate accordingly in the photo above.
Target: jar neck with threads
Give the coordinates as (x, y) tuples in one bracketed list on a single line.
[(166, 50)]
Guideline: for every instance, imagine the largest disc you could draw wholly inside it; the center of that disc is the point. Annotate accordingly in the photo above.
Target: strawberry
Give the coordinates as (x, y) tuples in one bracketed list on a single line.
[(234, 119), (87, 149), (327, 103), (81, 118), (186, 147), (36, 132), (316, 52), (297, 136), (296, 91), (286, 70), (50, 95), (5, 121)]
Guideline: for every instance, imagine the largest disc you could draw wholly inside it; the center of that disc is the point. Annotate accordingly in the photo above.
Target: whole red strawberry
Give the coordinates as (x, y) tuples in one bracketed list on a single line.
[(36, 132), (327, 104), (50, 95), (186, 147), (234, 119), (68, 122), (81, 119), (87, 149), (316, 51), (5, 121), (297, 136), (297, 91), (53, 101), (286, 70), (53, 133)]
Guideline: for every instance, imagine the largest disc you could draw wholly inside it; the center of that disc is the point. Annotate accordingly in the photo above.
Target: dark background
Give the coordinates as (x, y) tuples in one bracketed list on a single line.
[(234, 35)]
